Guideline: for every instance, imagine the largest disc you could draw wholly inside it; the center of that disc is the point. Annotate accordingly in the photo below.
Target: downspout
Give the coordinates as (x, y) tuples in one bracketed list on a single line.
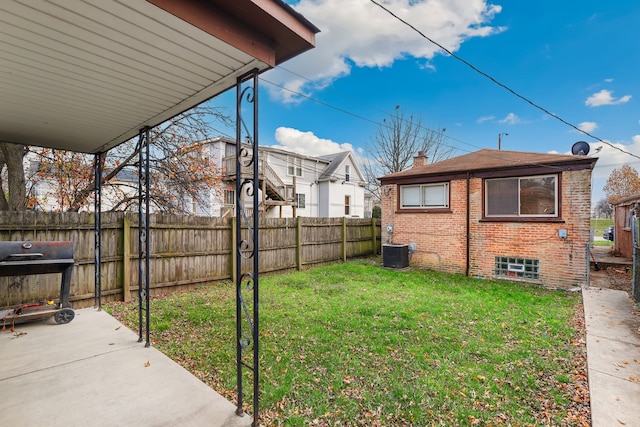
[(468, 262)]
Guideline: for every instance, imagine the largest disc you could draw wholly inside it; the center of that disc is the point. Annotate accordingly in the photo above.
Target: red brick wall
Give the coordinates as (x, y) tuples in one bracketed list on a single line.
[(440, 238), (623, 241)]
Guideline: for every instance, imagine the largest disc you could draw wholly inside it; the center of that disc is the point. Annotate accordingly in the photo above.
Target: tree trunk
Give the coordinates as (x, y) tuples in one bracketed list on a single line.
[(4, 204), (13, 157)]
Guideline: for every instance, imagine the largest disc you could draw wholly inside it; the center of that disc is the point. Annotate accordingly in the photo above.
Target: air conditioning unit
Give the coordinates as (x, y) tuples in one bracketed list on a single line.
[(395, 256)]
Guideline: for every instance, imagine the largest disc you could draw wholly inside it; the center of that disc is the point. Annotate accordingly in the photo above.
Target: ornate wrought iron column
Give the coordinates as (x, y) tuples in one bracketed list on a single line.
[(143, 235), (246, 239), (98, 162)]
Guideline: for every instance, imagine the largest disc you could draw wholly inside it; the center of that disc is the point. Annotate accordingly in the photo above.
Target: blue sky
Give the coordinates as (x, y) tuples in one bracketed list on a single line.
[(578, 59)]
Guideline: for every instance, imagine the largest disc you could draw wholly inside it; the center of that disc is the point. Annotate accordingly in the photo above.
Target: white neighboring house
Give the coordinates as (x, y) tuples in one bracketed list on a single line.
[(294, 184), (43, 190)]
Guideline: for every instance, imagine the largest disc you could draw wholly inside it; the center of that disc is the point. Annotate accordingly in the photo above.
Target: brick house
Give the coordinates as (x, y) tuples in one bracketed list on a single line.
[(494, 214)]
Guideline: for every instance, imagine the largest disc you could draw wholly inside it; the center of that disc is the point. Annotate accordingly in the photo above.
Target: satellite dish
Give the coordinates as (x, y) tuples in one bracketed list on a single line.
[(580, 148)]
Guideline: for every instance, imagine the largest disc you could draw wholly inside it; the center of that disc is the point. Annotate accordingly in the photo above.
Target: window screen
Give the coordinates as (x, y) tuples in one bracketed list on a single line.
[(522, 196), (424, 196)]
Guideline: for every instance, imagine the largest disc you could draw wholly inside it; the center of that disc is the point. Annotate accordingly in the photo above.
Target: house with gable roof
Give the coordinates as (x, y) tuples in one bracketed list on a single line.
[(494, 214), (293, 184)]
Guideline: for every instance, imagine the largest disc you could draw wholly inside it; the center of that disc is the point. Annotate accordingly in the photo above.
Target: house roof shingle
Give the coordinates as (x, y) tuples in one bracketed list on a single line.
[(489, 160), (334, 161)]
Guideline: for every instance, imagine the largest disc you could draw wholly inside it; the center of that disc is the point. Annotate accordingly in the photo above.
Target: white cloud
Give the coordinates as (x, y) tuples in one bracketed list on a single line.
[(485, 119), (511, 119), (605, 97), (359, 33), (588, 126), (307, 143), (610, 157)]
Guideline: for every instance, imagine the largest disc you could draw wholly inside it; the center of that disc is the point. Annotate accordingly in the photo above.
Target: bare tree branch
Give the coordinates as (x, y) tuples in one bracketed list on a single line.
[(181, 171), (396, 142)]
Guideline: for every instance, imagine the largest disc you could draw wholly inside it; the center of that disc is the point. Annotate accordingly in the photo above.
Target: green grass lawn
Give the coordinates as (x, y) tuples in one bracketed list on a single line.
[(598, 226), (355, 344)]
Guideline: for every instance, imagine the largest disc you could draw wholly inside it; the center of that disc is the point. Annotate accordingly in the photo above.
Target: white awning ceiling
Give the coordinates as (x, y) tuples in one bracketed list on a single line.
[(87, 75)]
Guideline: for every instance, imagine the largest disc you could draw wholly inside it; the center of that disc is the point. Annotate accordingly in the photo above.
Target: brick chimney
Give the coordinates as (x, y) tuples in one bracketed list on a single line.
[(420, 160)]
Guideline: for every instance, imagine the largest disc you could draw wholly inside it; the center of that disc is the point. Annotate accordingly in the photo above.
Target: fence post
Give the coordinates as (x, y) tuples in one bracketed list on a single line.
[(234, 224), (374, 237), (126, 259), (299, 243), (344, 239)]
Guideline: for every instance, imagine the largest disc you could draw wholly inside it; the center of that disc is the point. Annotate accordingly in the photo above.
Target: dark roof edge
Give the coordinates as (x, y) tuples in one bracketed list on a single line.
[(297, 15), (538, 168)]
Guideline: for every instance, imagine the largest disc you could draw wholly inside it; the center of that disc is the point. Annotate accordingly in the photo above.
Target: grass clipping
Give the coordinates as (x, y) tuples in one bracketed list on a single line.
[(356, 344)]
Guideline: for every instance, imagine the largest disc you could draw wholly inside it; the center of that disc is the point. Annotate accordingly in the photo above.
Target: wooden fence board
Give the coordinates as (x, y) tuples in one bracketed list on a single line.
[(185, 251)]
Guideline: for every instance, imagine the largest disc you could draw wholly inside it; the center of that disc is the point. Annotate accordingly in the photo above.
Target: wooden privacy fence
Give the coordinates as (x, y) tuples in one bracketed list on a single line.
[(186, 251)]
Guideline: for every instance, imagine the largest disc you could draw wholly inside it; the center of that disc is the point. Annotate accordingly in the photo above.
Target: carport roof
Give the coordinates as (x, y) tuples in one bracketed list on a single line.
[(87, 75)]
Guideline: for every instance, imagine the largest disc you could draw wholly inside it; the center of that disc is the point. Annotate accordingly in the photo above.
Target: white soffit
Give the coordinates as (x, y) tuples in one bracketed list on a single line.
[(86, 75)]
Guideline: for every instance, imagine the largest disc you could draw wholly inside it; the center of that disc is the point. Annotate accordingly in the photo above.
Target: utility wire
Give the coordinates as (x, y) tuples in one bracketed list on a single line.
[(502, 85), (388, 126), (342, 110)]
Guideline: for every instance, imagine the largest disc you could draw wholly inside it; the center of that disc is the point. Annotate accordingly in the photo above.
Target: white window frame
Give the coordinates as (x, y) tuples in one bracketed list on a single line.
[(347, 173), (556, 205), (294, 166), (347, 205), (422, 203), (229, 195), (303, 197)]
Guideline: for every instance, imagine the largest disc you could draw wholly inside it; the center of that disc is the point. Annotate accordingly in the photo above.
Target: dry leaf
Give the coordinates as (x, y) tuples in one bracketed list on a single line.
[(147, 364)]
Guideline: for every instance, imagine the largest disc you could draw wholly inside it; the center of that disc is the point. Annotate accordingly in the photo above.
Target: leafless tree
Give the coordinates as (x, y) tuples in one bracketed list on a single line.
[(180, 169), (603, 209), (396, 142)]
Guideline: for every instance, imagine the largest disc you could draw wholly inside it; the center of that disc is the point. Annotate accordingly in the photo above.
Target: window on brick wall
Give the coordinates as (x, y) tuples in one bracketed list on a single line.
[(517, 268), (532, 196), (425, 196)]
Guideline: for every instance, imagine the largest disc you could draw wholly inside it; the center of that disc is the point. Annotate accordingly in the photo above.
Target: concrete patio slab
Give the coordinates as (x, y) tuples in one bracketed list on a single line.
[(613, 357), (93, 372)]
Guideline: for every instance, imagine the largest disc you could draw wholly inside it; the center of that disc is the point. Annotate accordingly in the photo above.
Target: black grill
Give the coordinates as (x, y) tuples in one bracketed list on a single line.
[(31, 258)]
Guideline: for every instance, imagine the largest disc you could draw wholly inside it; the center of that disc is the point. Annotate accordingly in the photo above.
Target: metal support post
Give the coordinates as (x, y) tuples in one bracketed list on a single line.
[(143, 235), (97, 167), (246, 241)]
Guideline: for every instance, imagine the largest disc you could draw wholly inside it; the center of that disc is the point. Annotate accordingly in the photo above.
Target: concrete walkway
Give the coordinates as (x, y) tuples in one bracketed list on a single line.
[(613, 347), (93, 372)]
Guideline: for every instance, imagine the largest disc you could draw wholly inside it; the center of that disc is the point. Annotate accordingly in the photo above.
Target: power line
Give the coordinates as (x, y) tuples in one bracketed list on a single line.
[(502, 85), (325, 104), (388, 126)]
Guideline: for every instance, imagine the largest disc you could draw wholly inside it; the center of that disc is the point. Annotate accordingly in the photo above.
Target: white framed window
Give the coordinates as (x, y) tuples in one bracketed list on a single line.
[(347, 205), (229, 197), (531, 196), (294, 166), (347, 173), (425, 196), (300, 200)]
